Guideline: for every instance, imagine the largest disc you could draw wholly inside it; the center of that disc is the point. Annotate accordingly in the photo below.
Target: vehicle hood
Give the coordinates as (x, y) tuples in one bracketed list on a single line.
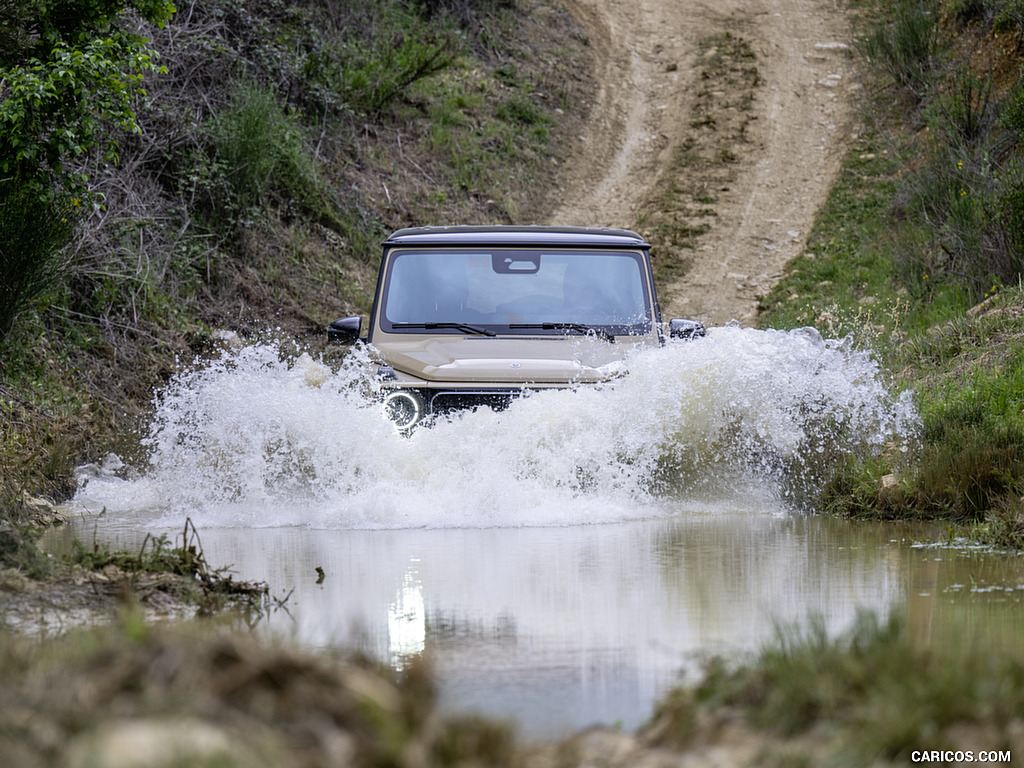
[(481, 360)]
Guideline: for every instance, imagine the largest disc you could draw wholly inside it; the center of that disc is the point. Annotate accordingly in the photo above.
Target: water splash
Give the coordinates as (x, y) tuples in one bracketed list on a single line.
[(254, 440)]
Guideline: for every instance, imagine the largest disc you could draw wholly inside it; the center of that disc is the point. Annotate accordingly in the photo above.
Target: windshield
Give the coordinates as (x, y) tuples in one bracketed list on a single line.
[(516, 291)]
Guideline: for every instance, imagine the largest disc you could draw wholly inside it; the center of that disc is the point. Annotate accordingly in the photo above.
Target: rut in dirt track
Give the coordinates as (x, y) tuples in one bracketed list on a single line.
[(646, 60)]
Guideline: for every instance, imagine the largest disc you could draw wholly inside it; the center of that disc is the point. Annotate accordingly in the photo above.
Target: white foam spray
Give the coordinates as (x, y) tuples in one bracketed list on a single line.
[(251, 439)]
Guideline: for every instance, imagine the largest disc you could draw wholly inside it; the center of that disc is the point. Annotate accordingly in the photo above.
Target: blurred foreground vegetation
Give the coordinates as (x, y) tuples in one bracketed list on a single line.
[(869, 697), (919, 253), (134, 693)]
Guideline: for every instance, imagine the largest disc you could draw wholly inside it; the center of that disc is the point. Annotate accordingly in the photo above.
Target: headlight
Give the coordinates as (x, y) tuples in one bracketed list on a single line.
[(404, 407)]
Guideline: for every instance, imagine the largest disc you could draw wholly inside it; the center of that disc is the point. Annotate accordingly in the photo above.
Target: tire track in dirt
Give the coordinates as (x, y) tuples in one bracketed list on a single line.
[(646, 62)]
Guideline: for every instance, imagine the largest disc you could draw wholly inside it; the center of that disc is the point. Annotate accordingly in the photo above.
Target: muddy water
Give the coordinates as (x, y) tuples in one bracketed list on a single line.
[(563, 562)]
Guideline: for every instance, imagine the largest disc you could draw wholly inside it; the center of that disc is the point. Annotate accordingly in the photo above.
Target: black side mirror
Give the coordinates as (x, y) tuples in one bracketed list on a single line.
[(685, 329), (345, 330)]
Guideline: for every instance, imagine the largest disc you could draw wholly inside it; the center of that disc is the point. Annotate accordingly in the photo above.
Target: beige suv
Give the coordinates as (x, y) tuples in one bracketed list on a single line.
[(477, 316)]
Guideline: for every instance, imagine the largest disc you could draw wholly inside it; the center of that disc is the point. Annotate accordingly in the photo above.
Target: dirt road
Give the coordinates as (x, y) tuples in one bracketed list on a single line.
[(650, 58)]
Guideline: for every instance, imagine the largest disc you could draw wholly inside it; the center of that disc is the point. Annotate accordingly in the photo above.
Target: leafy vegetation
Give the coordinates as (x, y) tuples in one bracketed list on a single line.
[(69, 70), (67, 73), (33, 234), (919, 254)]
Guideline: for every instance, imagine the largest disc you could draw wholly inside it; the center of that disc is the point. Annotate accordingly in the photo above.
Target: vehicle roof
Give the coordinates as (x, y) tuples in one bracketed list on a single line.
[(505, 235)]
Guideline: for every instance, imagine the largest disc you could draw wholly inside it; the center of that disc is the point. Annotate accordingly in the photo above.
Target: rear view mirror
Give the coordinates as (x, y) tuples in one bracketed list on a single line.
[(685, 329), (345, 330)]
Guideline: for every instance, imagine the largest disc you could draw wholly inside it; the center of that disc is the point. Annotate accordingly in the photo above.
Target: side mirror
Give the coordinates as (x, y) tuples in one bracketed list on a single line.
[(685, 329), (345, 330)]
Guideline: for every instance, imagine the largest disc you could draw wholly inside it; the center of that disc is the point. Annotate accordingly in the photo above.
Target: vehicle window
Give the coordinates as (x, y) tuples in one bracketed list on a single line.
[(510, 287)]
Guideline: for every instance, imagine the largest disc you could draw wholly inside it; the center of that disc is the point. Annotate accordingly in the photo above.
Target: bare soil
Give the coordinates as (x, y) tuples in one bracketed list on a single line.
[(762, 185)]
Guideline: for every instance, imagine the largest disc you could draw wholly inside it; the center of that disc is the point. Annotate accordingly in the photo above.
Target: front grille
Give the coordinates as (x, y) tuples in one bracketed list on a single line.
[(460, 400)]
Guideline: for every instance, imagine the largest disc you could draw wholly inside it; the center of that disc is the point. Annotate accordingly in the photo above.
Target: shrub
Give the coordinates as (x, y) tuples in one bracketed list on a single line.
[(1009, 14), (34, 231), (1011, 211), (905, 46), (962, 114), (259, 149), (377, 55)]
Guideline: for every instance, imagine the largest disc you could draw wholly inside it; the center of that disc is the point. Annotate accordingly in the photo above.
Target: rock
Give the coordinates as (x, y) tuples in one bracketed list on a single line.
[(39, 511), (888, 489), (154, 744)]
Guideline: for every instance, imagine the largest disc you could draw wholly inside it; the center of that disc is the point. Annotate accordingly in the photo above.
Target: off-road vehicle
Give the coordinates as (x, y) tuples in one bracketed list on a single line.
[(468, 316)]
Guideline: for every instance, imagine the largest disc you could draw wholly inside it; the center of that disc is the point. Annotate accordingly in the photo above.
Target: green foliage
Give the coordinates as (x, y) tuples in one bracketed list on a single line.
[(15, 37), (961, 114), (1010, 210), (33, 234), (1011, 115), (905, 45), (259, 151), (382, 49), (68, 71), (1009, 14)]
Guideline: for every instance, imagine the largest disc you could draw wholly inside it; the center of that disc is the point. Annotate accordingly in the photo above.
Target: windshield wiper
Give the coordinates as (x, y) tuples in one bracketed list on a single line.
[(578, 327), (457, 326)]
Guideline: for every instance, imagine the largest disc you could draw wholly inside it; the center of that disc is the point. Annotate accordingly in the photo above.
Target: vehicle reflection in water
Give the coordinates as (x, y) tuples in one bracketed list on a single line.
[(407, 620), (559, 628)]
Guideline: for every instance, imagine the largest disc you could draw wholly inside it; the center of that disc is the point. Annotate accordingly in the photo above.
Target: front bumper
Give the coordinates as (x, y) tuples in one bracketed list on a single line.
[(408, 407)]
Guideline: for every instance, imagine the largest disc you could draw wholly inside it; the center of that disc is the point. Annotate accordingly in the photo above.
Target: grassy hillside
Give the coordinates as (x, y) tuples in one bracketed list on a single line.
[(919, 253), (285, 138), (277, 147)]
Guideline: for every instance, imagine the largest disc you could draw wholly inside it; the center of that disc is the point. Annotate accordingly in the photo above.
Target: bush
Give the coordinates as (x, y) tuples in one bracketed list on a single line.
[(259, 150), (962, 114), (1009, 14), (906, 46), (1011, 210), (376, 55), (34, 231)]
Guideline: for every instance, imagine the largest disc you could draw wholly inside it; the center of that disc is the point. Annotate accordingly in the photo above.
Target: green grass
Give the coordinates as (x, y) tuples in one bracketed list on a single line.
[(919, 229), (482, 129)]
